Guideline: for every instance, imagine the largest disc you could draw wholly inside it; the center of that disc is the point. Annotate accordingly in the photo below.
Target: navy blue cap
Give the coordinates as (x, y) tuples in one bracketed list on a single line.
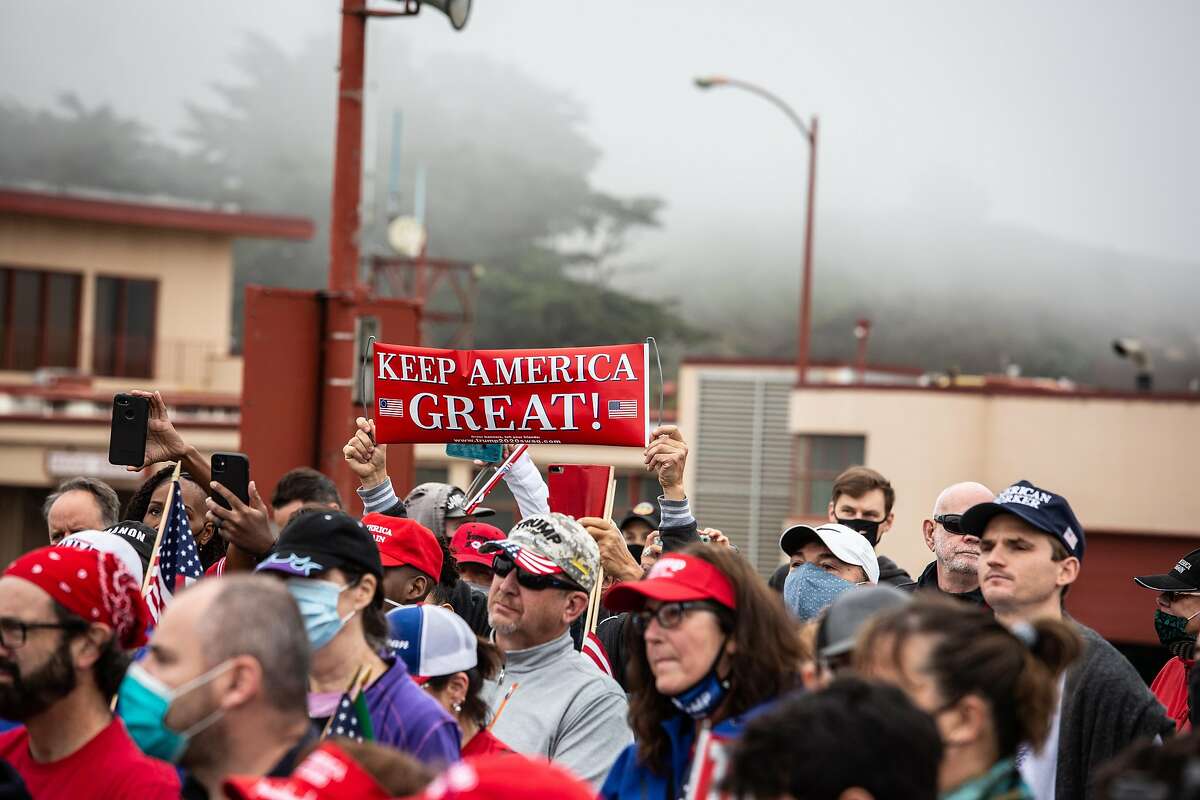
[(1048, 512)]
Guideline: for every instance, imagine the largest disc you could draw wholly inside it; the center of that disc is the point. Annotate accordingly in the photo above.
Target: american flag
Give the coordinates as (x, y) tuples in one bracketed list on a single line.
[(528, 560), (351, 719), (593, 648), (178, 563), (391, 408), (622, 409)]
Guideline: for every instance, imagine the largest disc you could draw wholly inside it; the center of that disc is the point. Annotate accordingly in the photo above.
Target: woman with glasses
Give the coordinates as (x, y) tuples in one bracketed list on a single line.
[(989, 690), (711, 643)]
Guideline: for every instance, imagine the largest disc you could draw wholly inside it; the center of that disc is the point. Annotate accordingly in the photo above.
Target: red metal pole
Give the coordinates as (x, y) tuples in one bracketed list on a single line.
[(336, 419), (806, 282)]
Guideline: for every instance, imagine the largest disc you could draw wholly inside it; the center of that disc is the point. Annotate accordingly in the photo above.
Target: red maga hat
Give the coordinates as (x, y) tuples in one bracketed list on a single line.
[(327, 774), (403, 541), (675, 578), (500, 777), (469, 538)]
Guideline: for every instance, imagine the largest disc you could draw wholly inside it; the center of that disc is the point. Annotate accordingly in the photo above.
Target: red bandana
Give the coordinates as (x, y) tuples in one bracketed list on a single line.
[(93, 585)]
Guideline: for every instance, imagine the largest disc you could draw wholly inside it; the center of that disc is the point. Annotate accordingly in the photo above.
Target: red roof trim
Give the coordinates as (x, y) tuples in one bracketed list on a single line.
[(734, 361), (1012, 391), (173, 399), (121, 212), (105, 422)]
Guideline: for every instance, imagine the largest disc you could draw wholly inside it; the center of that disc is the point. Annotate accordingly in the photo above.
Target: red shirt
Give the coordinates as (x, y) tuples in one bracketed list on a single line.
[(1171, 689), (482, 744), (109, 767)]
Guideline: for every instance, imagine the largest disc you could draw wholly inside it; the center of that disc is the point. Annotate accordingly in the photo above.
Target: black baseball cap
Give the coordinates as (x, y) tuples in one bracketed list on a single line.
[(138, 534), (1183, 577), (317, 541), (645, 511), (456, 503), (1048, 512)]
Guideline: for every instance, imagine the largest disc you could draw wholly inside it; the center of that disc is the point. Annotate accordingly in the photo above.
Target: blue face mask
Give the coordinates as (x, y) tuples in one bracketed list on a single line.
[(809, 590), (318, 601), (143, 702), (700, 701)]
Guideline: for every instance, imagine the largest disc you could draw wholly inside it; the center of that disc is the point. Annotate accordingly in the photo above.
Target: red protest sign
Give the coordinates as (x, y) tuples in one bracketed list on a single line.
[(566, 395)]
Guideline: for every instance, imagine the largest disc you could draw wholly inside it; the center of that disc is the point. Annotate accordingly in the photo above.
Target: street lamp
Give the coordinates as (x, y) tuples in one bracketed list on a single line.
[(809, 131)]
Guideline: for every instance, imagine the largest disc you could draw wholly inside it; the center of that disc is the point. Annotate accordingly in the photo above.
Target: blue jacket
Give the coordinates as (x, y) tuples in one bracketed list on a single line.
[(632, 780)]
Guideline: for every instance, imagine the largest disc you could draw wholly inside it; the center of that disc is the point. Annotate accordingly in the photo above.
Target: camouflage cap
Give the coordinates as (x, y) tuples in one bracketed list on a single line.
[(545, 544)]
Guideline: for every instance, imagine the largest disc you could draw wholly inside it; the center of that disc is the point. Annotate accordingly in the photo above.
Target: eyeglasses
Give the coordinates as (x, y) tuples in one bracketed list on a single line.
[(951, 522), (503, 565), (669, 615), (14, 632), (1170, 597)]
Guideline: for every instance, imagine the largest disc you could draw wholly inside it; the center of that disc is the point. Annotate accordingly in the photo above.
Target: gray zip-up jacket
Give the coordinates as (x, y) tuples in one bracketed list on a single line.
[(563, 708)]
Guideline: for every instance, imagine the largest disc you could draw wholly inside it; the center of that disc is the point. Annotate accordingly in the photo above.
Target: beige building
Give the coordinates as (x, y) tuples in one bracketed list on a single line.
[(766, 453), (100, 294)]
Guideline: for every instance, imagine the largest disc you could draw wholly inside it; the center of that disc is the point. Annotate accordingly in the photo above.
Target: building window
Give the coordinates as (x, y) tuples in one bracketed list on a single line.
[(123, 344), (39, 319), (819, 460)]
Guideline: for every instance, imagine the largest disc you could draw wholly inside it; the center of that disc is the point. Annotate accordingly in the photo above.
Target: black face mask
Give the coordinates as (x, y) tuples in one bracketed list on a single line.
[(869, 528), (635, 550)]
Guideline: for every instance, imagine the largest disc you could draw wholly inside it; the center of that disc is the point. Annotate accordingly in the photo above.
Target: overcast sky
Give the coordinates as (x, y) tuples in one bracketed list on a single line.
[(1076, 119)]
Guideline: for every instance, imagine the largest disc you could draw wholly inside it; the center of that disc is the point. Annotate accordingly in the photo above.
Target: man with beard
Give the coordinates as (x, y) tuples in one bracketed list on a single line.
[(67, 620), (218, 698), (955, 569)]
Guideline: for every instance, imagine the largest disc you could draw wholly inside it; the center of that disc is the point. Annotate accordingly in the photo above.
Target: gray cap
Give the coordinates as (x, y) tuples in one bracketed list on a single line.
[(849, 612)]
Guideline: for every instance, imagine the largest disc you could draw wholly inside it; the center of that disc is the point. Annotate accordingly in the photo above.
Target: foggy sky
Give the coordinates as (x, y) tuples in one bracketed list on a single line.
[(1074, 119)]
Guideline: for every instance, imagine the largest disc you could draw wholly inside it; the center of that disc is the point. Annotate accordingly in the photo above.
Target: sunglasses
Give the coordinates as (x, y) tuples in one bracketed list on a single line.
[(951, 522), (504, 565)]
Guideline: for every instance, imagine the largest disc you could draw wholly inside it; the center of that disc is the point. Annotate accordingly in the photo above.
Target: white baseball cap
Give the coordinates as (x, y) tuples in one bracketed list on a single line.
[(846, 544), (106, 542), (431, 641)]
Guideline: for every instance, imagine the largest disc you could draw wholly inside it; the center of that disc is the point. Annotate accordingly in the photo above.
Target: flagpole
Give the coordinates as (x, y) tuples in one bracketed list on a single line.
[(350, 690), (162, 526)]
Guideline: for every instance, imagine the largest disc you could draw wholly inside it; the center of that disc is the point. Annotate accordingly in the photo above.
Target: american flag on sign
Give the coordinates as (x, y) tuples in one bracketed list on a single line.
[(622, 409), (178, 563), (352, 719), (391, 408)]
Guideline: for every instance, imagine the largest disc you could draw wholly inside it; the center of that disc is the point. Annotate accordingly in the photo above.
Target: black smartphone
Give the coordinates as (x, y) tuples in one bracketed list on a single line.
[(231, 470), (127, 435)]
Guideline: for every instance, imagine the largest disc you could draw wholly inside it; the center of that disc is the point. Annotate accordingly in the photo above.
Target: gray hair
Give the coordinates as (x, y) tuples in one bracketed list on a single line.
[(106, 498), (253, 615)]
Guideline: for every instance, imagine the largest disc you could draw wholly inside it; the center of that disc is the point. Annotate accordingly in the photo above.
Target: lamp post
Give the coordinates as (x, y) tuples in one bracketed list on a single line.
[(809, 130)]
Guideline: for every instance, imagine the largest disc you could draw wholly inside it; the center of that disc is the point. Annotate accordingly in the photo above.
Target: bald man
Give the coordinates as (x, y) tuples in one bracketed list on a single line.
[(953, 571)]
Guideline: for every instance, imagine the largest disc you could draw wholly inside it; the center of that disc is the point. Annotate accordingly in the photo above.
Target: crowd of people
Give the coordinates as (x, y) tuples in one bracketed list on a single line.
[(418, 651)]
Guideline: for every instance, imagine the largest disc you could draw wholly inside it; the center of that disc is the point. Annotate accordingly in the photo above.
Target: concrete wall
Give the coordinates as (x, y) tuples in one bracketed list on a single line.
[(195, 275), (1125, 465)]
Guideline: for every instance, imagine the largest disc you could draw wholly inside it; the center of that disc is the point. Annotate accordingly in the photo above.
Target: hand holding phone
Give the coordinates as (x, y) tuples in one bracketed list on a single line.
[(231, 470), (127, 435)]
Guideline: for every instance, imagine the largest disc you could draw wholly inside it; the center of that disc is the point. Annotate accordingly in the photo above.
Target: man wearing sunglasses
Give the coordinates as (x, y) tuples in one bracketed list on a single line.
[(955, 568), (549, 700)]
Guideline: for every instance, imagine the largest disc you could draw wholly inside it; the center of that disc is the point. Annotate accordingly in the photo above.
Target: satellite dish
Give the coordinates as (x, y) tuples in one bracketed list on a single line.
[(406, 236)]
